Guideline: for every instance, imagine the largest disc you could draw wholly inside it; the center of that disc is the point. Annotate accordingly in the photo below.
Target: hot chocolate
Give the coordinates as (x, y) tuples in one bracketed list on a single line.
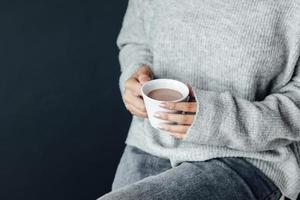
[(164, 94)]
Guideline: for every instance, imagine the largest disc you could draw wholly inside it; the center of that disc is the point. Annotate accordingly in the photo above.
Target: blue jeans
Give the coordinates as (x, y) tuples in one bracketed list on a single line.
[(146, 177)]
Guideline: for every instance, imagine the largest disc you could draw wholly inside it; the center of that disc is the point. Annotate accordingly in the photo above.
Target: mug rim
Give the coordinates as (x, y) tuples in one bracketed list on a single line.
[(164, 79)]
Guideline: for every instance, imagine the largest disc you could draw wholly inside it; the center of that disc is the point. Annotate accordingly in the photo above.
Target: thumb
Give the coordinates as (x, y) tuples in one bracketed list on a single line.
[(144, 74)]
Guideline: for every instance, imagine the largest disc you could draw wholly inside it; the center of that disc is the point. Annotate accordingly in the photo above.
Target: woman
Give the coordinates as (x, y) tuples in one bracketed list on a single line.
[(241, 59)]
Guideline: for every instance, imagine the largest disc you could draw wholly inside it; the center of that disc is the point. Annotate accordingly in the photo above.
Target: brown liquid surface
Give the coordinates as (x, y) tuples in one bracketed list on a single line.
[(165, 94)]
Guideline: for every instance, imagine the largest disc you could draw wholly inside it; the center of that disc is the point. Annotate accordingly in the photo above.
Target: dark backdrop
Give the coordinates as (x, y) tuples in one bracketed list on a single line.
[(62, 122)]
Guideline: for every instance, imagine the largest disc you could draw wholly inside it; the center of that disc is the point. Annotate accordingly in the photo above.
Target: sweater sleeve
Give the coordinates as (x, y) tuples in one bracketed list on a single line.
[(132, 41), (224, 120)]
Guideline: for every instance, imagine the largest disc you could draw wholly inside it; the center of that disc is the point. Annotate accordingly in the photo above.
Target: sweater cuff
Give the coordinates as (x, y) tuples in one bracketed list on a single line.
[(208, 118)]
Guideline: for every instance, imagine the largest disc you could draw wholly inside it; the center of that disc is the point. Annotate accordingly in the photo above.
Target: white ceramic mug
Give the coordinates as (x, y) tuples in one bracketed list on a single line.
[(153, 105)]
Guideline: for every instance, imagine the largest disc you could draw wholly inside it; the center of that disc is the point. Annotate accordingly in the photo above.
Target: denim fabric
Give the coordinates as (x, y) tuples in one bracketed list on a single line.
[(146, 177)]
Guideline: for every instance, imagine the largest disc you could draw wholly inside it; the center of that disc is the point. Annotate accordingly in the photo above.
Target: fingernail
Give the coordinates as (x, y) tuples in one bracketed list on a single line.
[(157, 115), (161, 127), (163, 105), (145, 79)]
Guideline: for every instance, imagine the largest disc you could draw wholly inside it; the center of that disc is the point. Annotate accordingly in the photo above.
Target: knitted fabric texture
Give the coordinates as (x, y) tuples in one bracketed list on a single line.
[(242, 60)]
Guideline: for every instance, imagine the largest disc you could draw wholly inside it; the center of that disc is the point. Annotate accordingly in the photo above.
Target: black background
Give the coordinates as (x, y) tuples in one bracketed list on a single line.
[(62, 121)]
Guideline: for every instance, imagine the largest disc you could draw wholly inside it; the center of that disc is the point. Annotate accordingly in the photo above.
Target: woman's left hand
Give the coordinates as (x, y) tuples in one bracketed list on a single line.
[(182, 121)]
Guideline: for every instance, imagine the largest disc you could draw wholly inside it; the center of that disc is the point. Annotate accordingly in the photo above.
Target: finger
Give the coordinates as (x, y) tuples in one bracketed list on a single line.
[(133, 85), (181, 106), (133, 110), (178, 118), (137, 102), (144, 74), (174, 128), (143, 78)]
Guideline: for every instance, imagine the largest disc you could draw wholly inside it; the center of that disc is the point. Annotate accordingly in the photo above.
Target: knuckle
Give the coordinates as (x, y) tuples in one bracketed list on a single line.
[(174, 128), (189, 106), (181, 106), (171, 106), (165, 116), (184, 119)]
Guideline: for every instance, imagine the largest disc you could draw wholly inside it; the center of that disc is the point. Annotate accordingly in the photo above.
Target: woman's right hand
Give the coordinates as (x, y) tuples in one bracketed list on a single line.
[(132, 97)]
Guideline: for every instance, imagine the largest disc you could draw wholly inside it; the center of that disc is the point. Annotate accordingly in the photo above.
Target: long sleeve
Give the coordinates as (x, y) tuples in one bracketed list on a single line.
[(225, 120), (132, 41)]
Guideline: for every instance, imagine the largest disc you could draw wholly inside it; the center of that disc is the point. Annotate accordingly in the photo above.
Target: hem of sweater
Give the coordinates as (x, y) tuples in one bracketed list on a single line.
[(266, 167)]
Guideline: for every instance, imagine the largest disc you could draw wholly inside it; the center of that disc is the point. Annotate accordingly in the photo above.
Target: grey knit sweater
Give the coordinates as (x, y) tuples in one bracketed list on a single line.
[(242, 59)]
